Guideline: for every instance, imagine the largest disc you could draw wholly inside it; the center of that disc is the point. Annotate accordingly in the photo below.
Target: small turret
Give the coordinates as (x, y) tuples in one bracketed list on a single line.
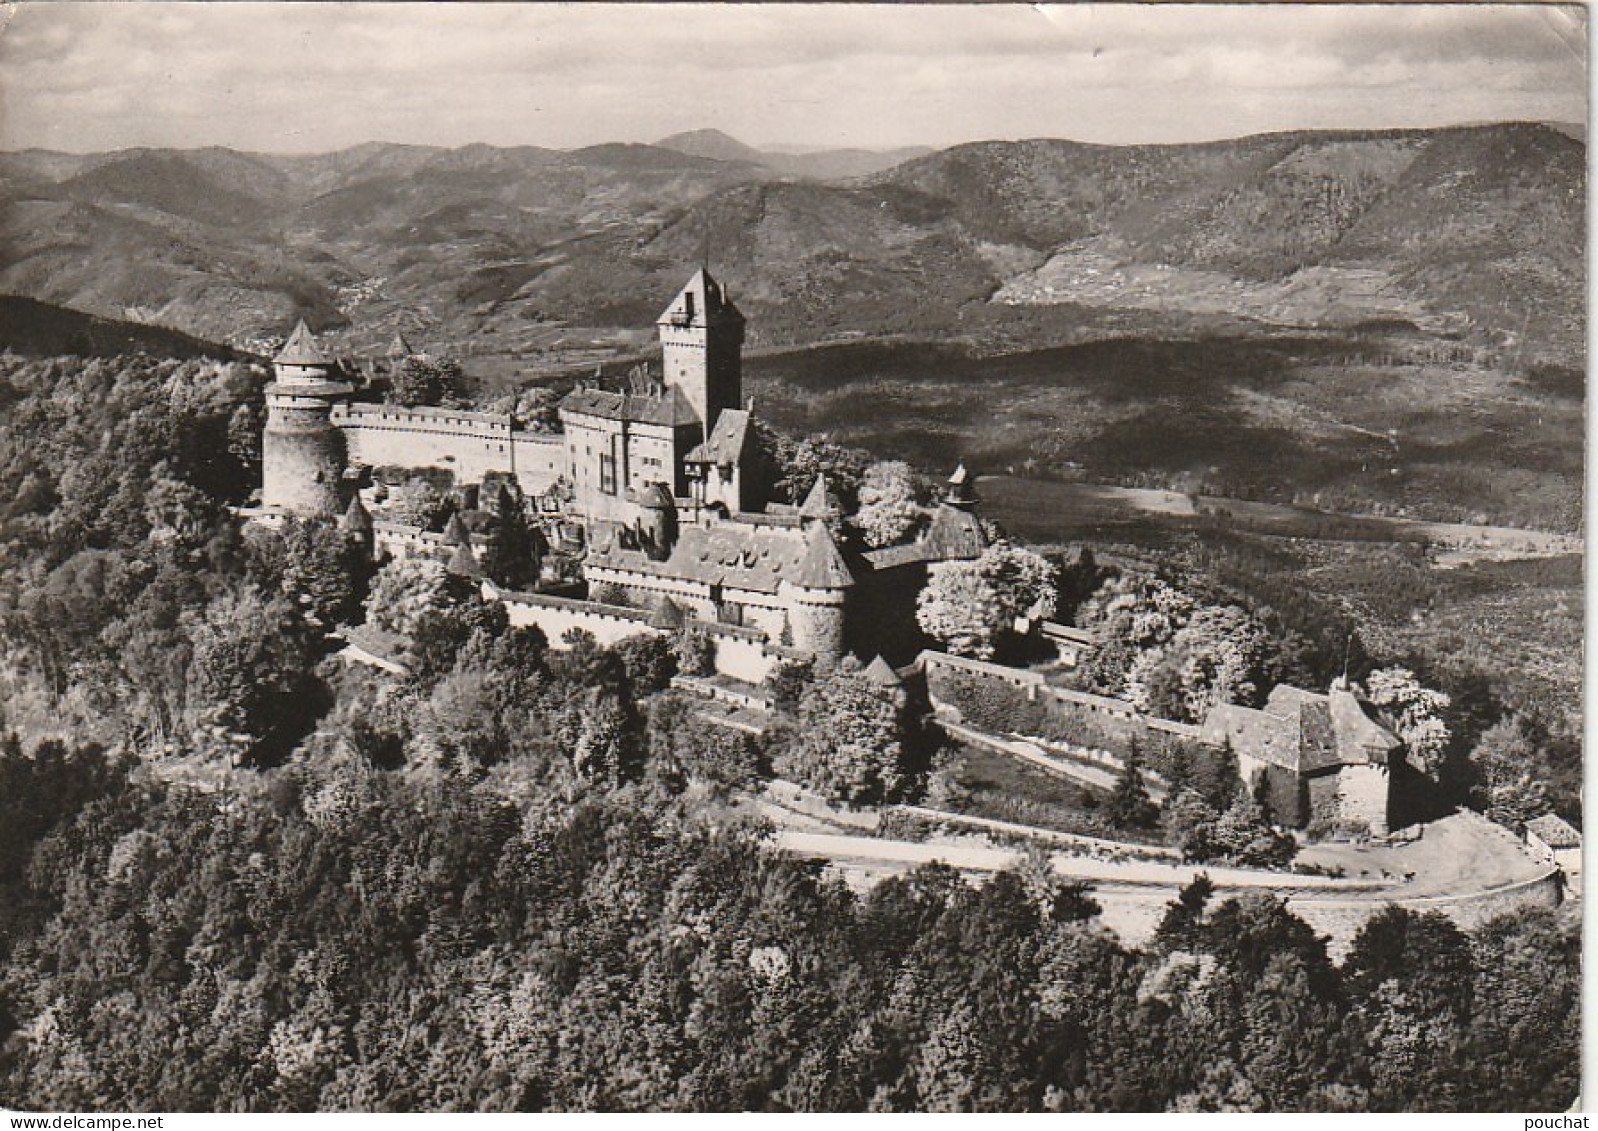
[(302, 453), (821, 503), (881, 673), (657, 522), (816, 590), (455, 531), (356, 525), (961, 492), (463, 563)]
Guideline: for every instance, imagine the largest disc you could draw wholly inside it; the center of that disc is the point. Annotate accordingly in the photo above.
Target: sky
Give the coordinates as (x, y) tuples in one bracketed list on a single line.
[(285, 77)]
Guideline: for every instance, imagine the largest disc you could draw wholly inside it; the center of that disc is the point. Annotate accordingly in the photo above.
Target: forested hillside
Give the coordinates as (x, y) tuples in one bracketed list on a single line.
[(238, 873)]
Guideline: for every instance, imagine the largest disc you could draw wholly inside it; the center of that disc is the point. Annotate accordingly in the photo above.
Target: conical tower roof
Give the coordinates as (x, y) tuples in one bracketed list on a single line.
[(464, 562), (302, 348), (667, 614), (455, 531), (821, 566), (399, 348), (962, 487), (821, 502), (881, 673), (357, 519)]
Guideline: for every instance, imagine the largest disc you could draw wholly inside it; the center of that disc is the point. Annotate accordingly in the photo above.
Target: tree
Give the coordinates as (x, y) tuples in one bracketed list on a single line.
[(417, 502), (251, 670), (1189, 823), (1129, 806), (1133, 616), (849, 742), (959, 608), (1414, 712), (696, 652), (422, 380), (1505, 788), (513, 548), (889, 508), (407, 590), (324, 570), (970, 606)]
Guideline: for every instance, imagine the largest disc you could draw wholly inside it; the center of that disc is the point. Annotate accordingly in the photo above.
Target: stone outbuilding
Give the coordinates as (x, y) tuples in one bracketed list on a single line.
[(1322, 758)]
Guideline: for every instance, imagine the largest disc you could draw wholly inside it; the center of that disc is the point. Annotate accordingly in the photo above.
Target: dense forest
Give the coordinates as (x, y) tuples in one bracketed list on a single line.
[(238, 874)]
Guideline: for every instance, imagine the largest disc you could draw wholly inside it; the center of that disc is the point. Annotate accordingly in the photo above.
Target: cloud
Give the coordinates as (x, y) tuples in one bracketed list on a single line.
[(87, 76)]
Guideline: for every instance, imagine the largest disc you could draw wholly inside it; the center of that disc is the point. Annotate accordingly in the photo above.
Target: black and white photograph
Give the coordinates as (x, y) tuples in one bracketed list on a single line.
[(780, 558)]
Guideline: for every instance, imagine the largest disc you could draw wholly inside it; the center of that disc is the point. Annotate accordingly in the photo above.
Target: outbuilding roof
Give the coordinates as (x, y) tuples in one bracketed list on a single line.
[(1302, 731), (1554, 831)]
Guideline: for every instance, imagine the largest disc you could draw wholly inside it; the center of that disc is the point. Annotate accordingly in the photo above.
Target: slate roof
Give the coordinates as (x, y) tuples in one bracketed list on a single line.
[(701, 302), (758, 558), (953, 535), (302, 348), (464, 562), (822, 566), (727, 439), (669, 407), (881, 673), (357, 519), (822, 501), (1302, 731), (1554, 831)]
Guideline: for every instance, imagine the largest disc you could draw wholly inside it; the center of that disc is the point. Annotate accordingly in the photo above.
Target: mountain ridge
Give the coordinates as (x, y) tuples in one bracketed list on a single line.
[(1474, 230)]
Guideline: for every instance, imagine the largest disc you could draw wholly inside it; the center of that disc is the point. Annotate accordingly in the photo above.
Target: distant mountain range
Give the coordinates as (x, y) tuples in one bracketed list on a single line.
[(817, 164), (1476, 232)]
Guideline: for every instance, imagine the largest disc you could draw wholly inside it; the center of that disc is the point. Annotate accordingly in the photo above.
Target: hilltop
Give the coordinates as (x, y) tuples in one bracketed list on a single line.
[(37, 329)]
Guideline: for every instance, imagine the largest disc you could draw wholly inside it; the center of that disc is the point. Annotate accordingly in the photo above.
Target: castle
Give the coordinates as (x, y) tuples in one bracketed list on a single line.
[(664, 481)]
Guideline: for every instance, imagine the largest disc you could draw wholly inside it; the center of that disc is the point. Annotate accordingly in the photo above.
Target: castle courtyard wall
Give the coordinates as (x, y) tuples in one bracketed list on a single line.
[(468, 444)]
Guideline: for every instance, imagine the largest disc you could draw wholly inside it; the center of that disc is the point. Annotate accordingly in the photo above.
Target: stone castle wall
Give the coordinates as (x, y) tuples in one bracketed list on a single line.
[(468, 444), (741, 653)]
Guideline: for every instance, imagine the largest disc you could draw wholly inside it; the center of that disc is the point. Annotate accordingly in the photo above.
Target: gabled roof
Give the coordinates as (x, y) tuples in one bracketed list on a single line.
[(1302, 731), (668, 407), (302, 348), (821, 502), (725, 448), (701, 302), (759, 558)]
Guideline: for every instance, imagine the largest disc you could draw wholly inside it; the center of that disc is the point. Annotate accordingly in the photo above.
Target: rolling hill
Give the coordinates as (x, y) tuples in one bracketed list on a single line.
[(1472, 234), (37, 329)]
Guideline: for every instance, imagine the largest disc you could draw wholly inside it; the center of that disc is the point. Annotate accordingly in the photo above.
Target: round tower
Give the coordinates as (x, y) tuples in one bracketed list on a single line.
[(302, 452), (816, 591)]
